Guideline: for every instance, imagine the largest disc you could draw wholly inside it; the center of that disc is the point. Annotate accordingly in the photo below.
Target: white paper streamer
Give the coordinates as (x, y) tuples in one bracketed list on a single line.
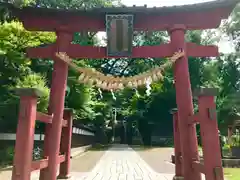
[(148, 86), (113, 95), (100, 93)]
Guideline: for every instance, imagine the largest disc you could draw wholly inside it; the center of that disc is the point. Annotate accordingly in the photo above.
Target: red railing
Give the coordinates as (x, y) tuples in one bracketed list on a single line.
[(45, 118), (206, 117), (39, 164), (23, 164)]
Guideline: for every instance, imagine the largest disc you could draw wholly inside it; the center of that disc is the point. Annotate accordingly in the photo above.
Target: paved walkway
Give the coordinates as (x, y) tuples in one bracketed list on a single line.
[(121, 163)]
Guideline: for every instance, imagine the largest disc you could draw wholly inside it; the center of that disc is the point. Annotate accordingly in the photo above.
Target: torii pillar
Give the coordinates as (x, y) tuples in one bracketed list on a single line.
[(188, 137), (56, 106)]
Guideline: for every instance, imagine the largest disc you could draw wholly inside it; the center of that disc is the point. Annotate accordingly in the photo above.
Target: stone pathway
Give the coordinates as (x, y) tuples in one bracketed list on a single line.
[(121, 163), (158, 158)]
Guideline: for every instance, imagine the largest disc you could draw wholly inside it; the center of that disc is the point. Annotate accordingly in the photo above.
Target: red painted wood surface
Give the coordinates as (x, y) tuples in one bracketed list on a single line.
[(181, 158), (164, 50), (43, 163), (48, 119), (24, 138), (39, 164), (64, 123), (194, 50), (193, 119), (177, 146), (60, 74), (189, 145), (44, 118), (198, 167), (210, 138), (65, 146), (192, 20), (61, 159)]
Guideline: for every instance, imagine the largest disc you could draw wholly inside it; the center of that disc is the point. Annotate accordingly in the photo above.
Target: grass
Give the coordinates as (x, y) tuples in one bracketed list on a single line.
[(232, 173), (99, 147), (141, 147), (226, 151)]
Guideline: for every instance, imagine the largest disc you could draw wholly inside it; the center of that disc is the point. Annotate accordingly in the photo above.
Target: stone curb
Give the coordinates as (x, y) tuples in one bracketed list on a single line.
[(80, 150), (74, 152)]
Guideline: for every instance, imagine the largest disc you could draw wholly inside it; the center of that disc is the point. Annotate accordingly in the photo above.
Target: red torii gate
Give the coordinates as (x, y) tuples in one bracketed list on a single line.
[(176, 20)]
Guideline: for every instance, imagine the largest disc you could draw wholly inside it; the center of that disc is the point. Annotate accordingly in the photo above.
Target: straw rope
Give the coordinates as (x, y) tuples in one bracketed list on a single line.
[(109, 82)]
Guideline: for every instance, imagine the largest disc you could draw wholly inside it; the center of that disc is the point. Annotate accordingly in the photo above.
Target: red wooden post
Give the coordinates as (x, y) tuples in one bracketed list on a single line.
[(189, 145), (66, 145), (61, 71), (177, 146), (209, 134), (48, 127), (25, 133)]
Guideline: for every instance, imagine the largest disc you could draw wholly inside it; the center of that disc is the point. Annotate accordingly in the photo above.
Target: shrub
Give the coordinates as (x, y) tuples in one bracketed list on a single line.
[(235, 139), (38, 81), (6, 156)]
